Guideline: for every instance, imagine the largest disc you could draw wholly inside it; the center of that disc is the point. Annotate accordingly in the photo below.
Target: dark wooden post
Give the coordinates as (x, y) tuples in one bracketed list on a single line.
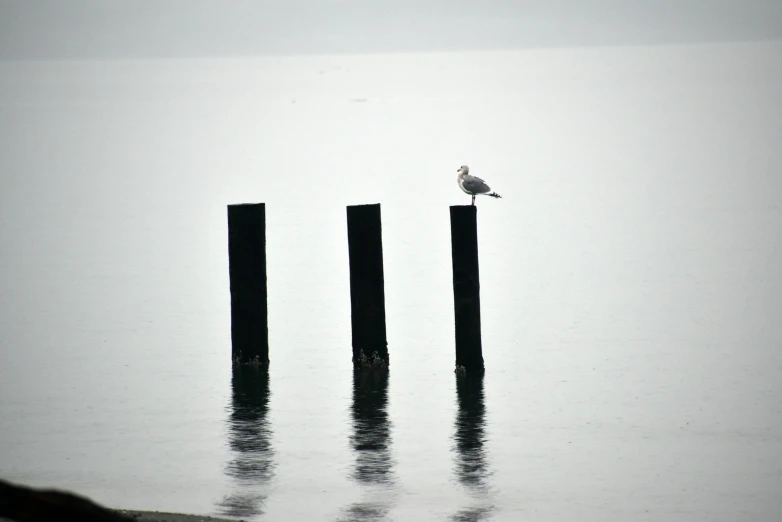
[(466, 288), (367, 294), (247, 271)]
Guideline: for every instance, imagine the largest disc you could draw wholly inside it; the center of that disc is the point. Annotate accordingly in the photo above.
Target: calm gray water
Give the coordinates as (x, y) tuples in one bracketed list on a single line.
[(631, 284)]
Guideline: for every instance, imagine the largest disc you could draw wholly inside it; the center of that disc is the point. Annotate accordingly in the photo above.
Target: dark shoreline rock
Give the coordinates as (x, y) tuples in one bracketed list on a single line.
[(23, 504)]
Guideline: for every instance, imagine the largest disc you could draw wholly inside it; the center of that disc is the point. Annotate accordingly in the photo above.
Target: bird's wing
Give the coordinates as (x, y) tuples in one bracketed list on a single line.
[(475, 185)]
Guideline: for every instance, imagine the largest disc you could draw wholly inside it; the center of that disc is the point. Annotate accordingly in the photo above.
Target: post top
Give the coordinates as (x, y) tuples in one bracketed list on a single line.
[(231, 205)]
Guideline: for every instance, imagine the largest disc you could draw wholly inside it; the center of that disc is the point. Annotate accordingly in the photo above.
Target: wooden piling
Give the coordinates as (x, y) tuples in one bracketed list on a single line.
[(247, 271), (466, 288), (367, 294)]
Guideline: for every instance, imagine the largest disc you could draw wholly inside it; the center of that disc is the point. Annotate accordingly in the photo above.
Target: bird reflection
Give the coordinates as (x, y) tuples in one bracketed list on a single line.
[(471, 465), (249, 437), (371, 442)]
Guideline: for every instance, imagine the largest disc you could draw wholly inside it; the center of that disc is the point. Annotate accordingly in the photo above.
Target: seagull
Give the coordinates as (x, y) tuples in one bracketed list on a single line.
[(472, 185)]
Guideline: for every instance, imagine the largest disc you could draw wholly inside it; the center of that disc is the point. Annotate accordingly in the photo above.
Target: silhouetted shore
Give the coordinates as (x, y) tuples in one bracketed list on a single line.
[(21, 503), (155, 516)]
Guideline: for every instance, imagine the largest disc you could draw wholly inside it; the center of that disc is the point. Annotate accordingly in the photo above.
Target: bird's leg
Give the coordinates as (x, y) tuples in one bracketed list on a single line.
[(473, 200)]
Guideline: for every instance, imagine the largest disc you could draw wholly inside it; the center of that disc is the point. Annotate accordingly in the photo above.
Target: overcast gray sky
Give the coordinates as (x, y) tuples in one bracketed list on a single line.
[(53, 29)]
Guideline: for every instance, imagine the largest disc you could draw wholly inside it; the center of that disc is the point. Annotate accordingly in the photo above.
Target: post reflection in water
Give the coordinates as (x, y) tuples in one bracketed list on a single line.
[(471, 463), (249, 437), (371, 442)]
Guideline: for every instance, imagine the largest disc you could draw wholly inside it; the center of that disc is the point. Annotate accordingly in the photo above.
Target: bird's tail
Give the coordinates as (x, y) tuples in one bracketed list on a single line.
[(494, 195)]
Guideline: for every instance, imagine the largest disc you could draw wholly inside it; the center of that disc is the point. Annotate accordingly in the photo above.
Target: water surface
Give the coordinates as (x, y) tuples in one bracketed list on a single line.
[(630, 284)]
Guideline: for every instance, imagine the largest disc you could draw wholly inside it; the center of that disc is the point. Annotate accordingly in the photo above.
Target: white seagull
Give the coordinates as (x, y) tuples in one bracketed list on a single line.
[(472, 185)]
